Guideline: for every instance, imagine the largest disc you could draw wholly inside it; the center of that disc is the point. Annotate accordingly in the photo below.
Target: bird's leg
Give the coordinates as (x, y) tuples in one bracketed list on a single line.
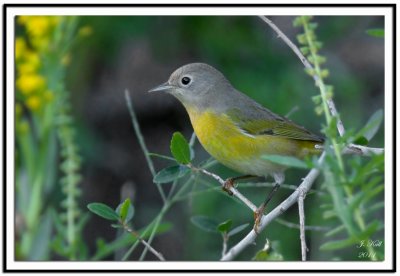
[(231, 181), (279, 179)]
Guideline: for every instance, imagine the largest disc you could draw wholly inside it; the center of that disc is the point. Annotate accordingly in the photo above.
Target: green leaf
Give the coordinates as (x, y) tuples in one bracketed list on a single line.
[(372, 126), (237, 229), (339, 244), (225, 226), (205, 223), (288, 161), (180, 148), (170, 174), (114, 225), (103, 211), (362, 141), (125, 210), (376, 32), (268, 253), (263, 255), (335, 231)]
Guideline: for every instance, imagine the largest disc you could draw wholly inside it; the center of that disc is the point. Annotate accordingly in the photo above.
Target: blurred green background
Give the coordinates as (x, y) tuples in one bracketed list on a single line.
[(140, 52)]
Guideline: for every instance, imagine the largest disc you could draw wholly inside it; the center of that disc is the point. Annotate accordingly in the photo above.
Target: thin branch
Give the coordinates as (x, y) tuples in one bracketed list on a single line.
[(224, 244), (147, 245), (233, 190), (305, 186), (362, 150), (142, 142), (306, 227), (306, 64), (300, 202)]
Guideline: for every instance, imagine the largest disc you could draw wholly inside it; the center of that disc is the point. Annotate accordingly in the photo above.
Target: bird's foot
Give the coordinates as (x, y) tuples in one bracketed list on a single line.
[(258, 214), (228, 184)]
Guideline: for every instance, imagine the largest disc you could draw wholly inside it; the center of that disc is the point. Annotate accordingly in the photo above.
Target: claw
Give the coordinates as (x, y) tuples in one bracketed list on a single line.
[(258, 214), (228, 185)]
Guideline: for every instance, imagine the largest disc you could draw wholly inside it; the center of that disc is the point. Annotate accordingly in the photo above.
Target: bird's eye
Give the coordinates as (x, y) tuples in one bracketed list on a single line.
[(185, 80)]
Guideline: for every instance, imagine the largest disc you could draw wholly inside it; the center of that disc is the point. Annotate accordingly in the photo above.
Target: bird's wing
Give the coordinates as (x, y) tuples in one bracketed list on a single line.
[(257, 120)]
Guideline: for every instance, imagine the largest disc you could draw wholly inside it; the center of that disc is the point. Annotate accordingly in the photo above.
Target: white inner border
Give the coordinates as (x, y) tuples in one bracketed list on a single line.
[(129, 11)]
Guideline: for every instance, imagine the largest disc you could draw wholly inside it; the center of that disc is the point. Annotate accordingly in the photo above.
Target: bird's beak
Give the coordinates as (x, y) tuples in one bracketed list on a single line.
[(163, 87)]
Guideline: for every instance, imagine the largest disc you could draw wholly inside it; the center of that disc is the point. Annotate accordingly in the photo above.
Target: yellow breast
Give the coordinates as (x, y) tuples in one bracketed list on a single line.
[(240, 151)]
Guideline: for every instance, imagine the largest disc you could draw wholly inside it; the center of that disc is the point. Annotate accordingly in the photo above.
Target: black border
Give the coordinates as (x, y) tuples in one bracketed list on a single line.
[(5, 6)]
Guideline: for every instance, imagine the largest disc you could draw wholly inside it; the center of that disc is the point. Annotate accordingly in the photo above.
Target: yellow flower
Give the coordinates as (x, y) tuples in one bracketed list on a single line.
[(38, 25), (40, 42), (20, 47), (26, 68), (33, 103), (85, 31), (30, 64), (28, 83), (32, 58)]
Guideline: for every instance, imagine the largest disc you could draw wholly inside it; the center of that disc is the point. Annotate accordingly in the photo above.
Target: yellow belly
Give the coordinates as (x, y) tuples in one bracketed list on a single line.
[(226, 143)]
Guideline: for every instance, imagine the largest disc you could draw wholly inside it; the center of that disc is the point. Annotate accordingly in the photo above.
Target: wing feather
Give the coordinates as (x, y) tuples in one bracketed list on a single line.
[(264, 122)]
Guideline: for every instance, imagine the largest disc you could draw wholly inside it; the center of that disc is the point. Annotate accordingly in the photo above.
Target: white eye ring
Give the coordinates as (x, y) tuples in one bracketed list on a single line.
[(185, 80)]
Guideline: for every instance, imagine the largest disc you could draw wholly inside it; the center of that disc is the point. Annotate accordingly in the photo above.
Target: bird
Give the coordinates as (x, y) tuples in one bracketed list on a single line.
[(235, 129)]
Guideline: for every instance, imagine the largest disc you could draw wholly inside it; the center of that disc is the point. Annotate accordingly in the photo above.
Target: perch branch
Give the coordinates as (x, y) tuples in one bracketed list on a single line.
[(233, 190), (305, 186)]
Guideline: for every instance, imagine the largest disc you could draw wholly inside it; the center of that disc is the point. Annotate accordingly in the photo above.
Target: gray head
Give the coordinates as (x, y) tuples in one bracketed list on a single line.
[(196, 85)]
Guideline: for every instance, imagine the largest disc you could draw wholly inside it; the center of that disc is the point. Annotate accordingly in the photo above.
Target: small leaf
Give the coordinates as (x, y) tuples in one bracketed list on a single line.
[(305, 50), (268, 253), (317, 99), (237, 229), (288, 161), (362, 141), (335, 231), (263, 255), (205, 223), (324, 73), (376, 32), (125, 210), (297, 22), (225, 226), (103, 211), (114, 225), (302, 38), (180, 148), (372, 126), (170, 174), (339, 244)]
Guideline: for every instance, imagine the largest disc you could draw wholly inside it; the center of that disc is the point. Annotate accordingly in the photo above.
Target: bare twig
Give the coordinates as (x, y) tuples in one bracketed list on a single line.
[(300, 202), (224, 244), (139, 135), (362, 150), (305, 186), (307, 64), (147, 245), (306, 227), (233, 190)]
